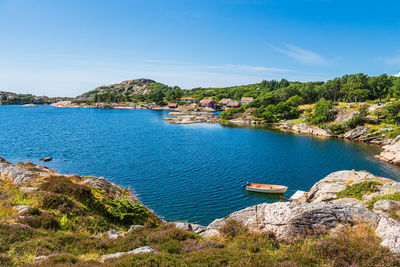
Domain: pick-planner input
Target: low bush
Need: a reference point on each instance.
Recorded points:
(31, 212)
(172, 246)
(230, 113)
(336, 129)
(359, 190)
(232, 229)
(44, 221)
(10, 234)
(322, 112)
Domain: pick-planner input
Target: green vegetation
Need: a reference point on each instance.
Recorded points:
(394, 213)
(322, 112)
(357, 119)
(69, 216)
(393, 111)
(7, 98)
(230, 113)
(236, 247)
(359, 190)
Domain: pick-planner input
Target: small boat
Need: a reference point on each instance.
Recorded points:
(266, 188)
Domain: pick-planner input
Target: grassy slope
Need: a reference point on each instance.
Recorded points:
(68, 215)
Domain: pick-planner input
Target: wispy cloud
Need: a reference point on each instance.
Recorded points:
(393, 61)
(78, 75)
(300, 54)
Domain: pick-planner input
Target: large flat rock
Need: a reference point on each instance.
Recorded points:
(290, 220)
(327, 188)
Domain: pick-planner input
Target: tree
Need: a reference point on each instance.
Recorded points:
(393, 111)
(269, 114)
(174, 94)
(308, 92)
(396, 88)
(380, 86)
(157, 95)
(331, 89)
(322, 111)
(355, 87)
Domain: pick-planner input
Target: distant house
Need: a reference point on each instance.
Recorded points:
(210, 103)
(225, 101)
(233, 105)
(187, 99)
(246, 100)
(172, 105)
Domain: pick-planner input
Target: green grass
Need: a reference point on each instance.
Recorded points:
(359, 190)
(392, 213)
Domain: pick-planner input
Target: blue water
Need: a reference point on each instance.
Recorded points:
(183, 172)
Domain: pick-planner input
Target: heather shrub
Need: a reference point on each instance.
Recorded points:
(232, 229)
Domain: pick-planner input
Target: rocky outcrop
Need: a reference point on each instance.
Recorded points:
(319, 211)
(356, 133)
(195, 228)
(30, 105)
(302, 128)
(389, 231)
(126, 88)
(291, 220)
(391, 152)
(386, 205)
(343, 115)
(188, 119)
(361, 133)
(327, 188)
(141, 250)
(20, 175)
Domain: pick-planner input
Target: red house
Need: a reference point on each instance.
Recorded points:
(210, 103)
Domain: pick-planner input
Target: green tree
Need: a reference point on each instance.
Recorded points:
(380, 86)
(322, 111)
(174, 94)
(157, 96)
(396, 88)
(393, 111)
(308, 92)
(355, 87)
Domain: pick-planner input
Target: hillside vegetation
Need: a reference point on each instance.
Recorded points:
(7, 98)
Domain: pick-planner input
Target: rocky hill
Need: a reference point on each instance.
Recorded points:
(125, 88)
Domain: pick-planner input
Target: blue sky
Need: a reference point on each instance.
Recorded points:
(67, 47)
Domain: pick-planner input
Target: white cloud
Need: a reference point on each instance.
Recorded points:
(396, 75)
(301, 54)
(77, 75)
(394, 60)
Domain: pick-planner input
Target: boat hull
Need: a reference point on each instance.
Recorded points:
(265, 190)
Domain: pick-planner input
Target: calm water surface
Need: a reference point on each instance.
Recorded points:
(183, 172)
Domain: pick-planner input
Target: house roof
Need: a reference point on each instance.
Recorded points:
(247, 99)
(172, 104)
(234, 104)
(224, 100)
(206, 101)
(186, 98)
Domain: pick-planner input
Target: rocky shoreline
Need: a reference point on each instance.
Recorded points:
(321, 211)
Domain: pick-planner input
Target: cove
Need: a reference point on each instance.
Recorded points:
(183, 172)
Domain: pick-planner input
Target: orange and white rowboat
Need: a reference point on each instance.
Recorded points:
(266, 188)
